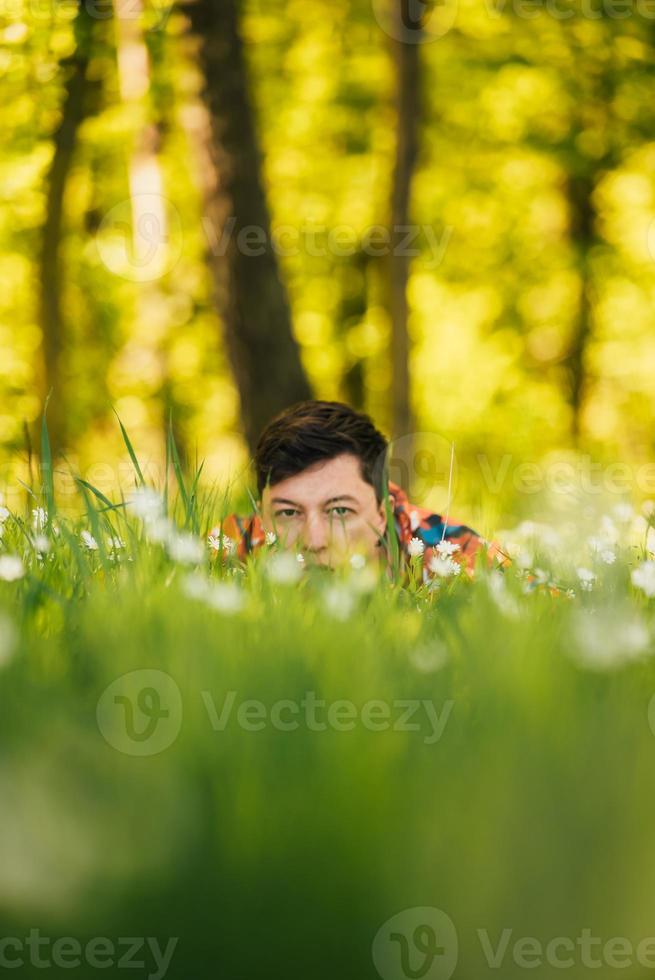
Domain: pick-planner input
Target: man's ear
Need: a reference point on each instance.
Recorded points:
(382, 511)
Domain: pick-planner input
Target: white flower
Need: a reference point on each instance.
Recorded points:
(4, 514)
(502, 597)
(587, 578)
(447, 548)
(271, 537)
(115, 544)
(216, 542)
(300, 558)
(41, 544)
(524, 559)
(185, 548)
(415, 548)
(444, 567)
(160, 530)
(339, 601)
(429, 657)
(551, 538)
(547, 535)
(226, 597)
(608, 528)
(195, 586)
(644, 577)
(648, 508)
(146, 504)
(364, 580)
(606, 639)
(8, 639)
(602, 545)
(11, 568)
(526, 529)
(39, 518)
(89, 541)
(623, 512)
(283, 568)
(639, 525)
(570, 593)
(650, 540)
(358, 562)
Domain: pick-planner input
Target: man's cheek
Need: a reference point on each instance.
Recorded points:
(348, 533)
(365, 530)
(354, 533)
(339, 540)
(287, 535)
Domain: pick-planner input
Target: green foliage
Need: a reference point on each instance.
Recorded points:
(534, 758)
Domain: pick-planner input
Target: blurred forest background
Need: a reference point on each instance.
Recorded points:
(194, 205)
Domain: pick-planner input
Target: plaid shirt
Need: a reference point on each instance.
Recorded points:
(441, 543)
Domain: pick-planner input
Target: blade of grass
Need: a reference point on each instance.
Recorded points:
(79, 584)
(23, 484)
(29, 450)
(130, 449)
(47, 476)
(194, 498)
(166, 474)
(177, 468)
(97, 493)
(96, 530)
(391, 537)
(253, 502)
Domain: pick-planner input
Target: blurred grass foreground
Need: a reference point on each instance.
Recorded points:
(441, 214)
(211, 770)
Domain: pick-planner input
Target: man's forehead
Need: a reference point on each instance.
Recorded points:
(329, 479)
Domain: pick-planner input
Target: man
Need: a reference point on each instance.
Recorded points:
(321, 477)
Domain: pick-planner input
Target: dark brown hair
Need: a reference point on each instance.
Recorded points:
(313, 431)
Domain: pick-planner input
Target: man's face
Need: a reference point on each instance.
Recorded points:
(327, 512)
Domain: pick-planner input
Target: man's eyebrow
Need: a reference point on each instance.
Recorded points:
(331, 500)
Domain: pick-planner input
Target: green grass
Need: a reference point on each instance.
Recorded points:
(521, 799)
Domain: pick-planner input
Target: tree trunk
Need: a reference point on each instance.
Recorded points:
(595, 96)
(406, 55)
(74, 111)
(250, 297)
(582, 225)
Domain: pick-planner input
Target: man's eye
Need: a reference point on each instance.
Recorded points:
(287, 512)
(341, 511)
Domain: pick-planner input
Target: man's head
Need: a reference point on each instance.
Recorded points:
(321, 476)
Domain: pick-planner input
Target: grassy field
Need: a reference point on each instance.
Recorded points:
(250, 772)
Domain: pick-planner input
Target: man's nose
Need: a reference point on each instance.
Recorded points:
(316, 532)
